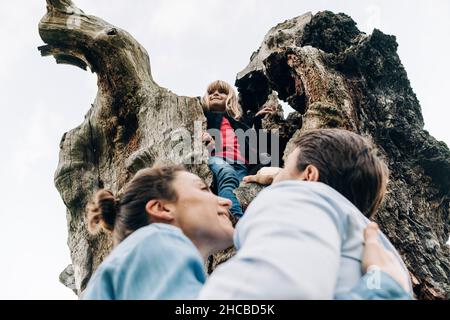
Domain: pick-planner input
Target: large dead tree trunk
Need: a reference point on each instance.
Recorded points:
(323, 66)
(132, 124)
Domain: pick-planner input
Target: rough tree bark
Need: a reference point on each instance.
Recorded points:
(332, 74)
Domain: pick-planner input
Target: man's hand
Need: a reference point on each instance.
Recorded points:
(264, 175)
(376, 255)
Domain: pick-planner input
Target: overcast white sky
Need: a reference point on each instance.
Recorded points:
(190, 43)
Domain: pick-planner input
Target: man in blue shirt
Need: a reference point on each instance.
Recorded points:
(299, 239)
(302, 237)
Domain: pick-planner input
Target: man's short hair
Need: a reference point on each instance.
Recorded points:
(347, 162)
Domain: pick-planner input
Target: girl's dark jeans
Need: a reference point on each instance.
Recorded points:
(228, 175)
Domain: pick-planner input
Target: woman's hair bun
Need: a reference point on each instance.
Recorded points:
(101, 212)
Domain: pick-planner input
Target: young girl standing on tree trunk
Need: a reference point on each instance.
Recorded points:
(232, 154)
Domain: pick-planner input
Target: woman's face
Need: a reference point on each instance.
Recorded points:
(203, 216)
(217, 99)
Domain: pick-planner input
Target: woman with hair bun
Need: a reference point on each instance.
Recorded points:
(164, 227)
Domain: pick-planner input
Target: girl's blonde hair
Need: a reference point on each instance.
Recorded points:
(232, 106)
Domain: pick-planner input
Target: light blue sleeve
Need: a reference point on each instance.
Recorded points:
(162, 266)
(100, 286)
(379, 286)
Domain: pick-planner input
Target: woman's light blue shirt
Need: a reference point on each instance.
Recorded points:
(155, 262)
